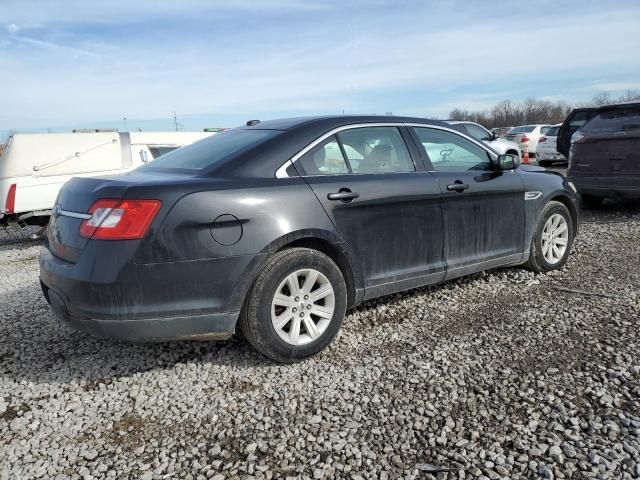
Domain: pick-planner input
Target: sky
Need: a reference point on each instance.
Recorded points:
(80, 64)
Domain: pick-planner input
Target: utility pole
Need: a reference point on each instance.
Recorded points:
(176, 125)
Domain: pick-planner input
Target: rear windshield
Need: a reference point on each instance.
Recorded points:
(619, 120)
(552, 132)
(525, 129)
(209, 151)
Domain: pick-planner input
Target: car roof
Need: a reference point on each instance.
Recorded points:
(632, 103)
(334, 121)
(294, 134)
(458, 122)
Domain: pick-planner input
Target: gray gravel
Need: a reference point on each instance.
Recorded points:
(502, 375)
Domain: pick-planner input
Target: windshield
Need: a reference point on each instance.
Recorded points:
(618, 120)
(209, 151)
(525, 129)
(552, 132)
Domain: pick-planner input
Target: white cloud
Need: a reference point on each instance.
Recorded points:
(13, 28)
(312, 66)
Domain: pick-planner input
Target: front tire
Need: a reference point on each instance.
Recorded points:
(544, 163)
(552, 239)
(296, 305)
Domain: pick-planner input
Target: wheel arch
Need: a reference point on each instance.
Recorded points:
(571, 206)
(335, 253)
(323, 241)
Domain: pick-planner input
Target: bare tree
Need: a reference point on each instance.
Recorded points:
(601, 98)
(630, 96)
(508, 114)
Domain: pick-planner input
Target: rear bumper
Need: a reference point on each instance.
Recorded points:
(550, 156)
(172, 301)
(218, 326)
(610, 187)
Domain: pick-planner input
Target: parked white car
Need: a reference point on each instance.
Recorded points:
(547, 149)
(34, 166)
(527, 136)
(478, 132)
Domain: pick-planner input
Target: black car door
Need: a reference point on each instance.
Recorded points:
(483, 208)
(574, 121)
(386, 209)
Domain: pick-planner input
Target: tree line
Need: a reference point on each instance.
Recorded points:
(532, 110)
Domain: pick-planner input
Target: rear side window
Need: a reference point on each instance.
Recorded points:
(525, 129)
(552, 132)
(477, 132)
(324, 159)
(210, 151)
(544, 130)
(376, 150)
(159, 151)
(618, 120)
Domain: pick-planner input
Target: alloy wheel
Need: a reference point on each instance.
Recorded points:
(555, 238)
(302, 307)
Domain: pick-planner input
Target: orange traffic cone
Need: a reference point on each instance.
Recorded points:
(525, 157)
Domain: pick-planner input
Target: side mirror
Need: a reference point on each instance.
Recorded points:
(494, 136)
(508, 162)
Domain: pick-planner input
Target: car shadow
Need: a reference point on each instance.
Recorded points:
(611, 210)
(36, 347)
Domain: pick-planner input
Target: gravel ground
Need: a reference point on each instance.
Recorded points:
(501, 375)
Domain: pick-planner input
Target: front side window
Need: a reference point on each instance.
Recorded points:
(450, 152)
(324, 159)
(376, 150)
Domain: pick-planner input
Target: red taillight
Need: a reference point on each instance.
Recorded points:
(10, 205)
(524, 139)
(119, 219)
(542, 139)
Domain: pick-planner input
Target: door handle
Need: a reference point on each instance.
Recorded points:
(343, 194)
(457, 186)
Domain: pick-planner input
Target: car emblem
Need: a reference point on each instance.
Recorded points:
(56, 210)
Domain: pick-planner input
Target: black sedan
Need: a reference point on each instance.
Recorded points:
(277, 228)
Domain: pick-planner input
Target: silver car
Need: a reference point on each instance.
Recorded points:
(478, 132)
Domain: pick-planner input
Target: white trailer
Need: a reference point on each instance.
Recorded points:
(34, 166)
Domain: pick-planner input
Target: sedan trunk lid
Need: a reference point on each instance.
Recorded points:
(79, 194)
(71, 208)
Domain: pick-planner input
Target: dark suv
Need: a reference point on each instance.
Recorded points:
(604, 152)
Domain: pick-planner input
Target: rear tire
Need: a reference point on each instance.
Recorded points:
(544, 163)
(592, 201)
(285, 319)
(552, 239)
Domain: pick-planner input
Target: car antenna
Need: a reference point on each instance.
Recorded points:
(251, 123)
